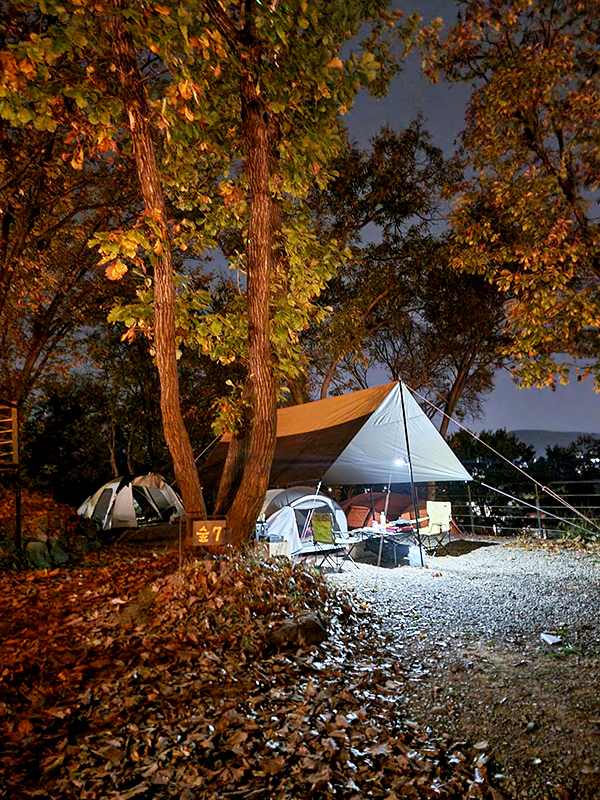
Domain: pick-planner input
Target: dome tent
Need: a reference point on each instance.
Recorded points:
(124, 503)
(303, 500)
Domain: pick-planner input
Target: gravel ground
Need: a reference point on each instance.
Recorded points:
(468, 632)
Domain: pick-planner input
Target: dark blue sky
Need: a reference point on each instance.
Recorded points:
(575, 407)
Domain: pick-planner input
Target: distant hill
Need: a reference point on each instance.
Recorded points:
(540, 440)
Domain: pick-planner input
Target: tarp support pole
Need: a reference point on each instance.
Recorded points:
(415, 497)
(372, 505)
(470, 508)
(311, 511)
(539, 516)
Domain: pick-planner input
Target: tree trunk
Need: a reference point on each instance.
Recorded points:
(237, 456)
(456, 391)
(138, 113)
(329, 377)
(261, 381)
(112, 447)
(299, 393)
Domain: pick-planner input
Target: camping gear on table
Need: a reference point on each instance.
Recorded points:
(363, 509)
(124, 503)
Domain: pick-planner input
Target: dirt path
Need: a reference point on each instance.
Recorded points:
(468, 631)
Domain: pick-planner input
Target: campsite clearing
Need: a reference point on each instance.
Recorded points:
(468, 633)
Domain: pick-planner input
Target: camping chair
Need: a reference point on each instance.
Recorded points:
(436, 536)
(327, 549)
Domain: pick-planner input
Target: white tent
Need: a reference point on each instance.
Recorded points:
(121, 503)
(303, 500)
(286, 512)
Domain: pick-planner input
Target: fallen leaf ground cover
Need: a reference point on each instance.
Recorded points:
(132, 676)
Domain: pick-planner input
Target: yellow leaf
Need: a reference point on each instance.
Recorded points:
(77, 160)
(27, 68)
(115, 270)
(336, 63)
(128, 336)
(185, 89)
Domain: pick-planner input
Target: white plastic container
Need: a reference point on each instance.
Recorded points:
(414, 556)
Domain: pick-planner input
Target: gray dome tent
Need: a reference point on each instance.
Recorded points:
(124, 503)
(303, 500)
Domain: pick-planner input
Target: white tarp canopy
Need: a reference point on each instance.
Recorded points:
(353, 439)
(123, 503)
(378, 453)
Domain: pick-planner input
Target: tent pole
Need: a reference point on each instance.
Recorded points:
(310, 512)
(470, 508)
(415, 498)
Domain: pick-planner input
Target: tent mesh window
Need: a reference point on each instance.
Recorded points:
(102, 506)
(144, 510)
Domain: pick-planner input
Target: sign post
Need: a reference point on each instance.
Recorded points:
(211, 535)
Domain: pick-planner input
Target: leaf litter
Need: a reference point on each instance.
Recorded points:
(133, 678)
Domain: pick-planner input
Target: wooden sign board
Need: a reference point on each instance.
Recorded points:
(9, 440)
(210, 532)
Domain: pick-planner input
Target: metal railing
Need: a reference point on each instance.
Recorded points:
(487, 514)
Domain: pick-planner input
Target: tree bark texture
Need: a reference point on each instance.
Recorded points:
(237, 455)
(261, 381)
(138, 113)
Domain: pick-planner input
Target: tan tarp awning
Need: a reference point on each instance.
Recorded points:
(352, 439)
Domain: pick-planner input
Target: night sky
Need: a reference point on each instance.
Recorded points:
(575, 407)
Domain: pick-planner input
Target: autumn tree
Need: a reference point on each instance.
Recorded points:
(526, 216)
(51, 284)
(450, 347)
(397, 304)
(248, 90)
(284, 130)
(76, 75)
(382, 204)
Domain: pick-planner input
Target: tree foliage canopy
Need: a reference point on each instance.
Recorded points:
(527, 213)
(396, 303)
